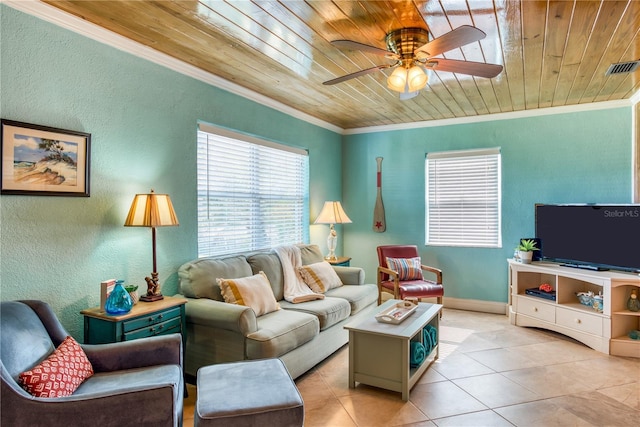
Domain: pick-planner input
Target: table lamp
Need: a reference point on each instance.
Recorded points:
(152, 210)
(332, 213)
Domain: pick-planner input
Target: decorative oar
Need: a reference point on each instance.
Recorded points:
(379, 223)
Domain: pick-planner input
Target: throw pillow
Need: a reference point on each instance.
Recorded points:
(320, 276)
(60, 374)
(407, 268)
(253, 291)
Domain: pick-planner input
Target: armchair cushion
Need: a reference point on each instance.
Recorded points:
(60, 374)
(407, 268)
(254, 291)
(415, 288)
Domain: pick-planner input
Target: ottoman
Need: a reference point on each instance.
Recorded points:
(247, 393)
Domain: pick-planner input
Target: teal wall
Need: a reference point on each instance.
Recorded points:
(565, 158)
(142, 118)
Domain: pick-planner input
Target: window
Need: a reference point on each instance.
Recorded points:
(252, 194)
(463, 206)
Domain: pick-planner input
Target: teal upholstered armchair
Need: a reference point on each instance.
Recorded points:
(136, 383)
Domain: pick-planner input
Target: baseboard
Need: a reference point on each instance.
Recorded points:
(476, 305)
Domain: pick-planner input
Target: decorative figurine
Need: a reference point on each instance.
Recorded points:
(633, 304)
(153, 289)
(598, 303)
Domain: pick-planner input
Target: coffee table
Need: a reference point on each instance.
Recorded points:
(379, 352)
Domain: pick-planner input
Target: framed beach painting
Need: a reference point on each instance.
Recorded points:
(44, 161)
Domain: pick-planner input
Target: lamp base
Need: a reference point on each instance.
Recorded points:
(151, 298)
(153, 289)
(332, 242)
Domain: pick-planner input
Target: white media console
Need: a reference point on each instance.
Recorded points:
(606, 332)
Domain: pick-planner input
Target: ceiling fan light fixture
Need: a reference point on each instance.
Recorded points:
(416, 78)
(398, 79)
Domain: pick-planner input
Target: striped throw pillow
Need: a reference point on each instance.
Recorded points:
(320, 277)
(407, 268)
(254, 291)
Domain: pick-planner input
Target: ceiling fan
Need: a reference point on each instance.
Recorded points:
(411, 51)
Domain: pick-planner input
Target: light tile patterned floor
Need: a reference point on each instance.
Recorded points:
(490, 373)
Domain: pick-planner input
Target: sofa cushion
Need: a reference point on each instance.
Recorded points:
(329, 311)
(320, 276)
(359, 296)
(253, 291)
(270, 264)
(310, 254)
(198, 278)
(280, 332)
(60, 374)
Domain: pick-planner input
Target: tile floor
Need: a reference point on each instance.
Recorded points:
(489, 373)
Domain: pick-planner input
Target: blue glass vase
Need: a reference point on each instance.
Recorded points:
(119, 301)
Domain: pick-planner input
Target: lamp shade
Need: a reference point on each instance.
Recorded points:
(398, 79)
(416, 78)
(332, 213)
(151, 210)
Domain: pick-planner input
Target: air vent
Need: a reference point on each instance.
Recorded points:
(623, 68)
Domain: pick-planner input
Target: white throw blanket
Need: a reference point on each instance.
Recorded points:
(295, 290)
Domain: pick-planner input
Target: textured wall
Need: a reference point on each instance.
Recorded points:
(566, 158)
(636, 194)
(143, 121)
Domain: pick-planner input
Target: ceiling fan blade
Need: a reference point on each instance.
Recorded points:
(357, 74)
(452, 40)
(479, 69)
(348, 44)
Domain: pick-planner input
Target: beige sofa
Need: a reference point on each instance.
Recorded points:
(301, 334)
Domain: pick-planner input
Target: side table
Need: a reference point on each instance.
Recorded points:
(342, 261)
(146, 319)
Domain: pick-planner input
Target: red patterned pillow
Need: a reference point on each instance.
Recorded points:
(60, 374)
(407, 268)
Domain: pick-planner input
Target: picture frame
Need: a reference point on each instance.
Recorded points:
(44, 161)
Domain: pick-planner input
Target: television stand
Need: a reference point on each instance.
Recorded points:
(584, 266)
(606, 331)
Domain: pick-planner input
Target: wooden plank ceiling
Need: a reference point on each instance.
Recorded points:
(555, 53)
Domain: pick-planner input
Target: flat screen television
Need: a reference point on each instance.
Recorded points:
(590, 236)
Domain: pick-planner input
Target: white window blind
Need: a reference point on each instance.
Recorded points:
(463, 200)
(252, 194)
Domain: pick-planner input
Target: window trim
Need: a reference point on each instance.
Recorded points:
(245, 137)
(258, 173)
(460, 154)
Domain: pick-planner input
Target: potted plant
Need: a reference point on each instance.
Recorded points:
(133, 293)
(525, 250)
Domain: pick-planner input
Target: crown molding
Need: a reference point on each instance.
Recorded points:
(494, 117)
(80, 26)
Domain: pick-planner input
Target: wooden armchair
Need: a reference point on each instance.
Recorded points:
(392, 281)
